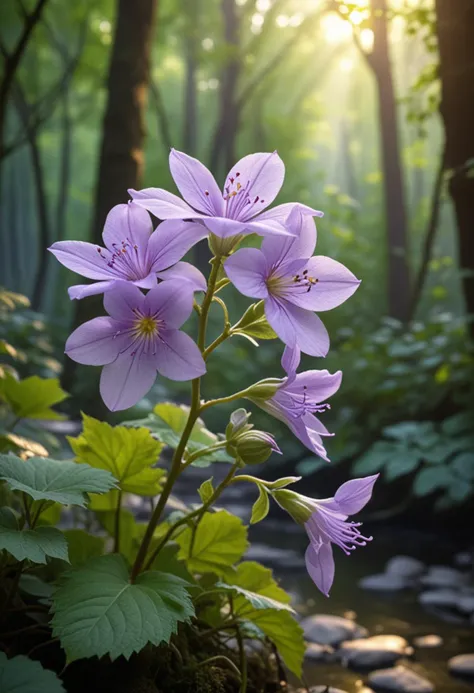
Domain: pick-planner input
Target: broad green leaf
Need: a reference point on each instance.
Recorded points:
(254, 323)
(375, 458)
(22, 675)
(404, 462)
(255, 589)
(129, 530)
(409, 431)
(206, 490)
(82, 546)
(457, 424)
(460, 490)
(261, 507)
(32, 584)
(98, 611)
(31, 544)
(127, 453)
(463, 465)
(431, 479)
(32, 398)
(62, 481)
(220, 541)
(285, 633)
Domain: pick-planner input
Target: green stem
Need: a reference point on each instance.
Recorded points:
(221, 658)
(118, 511)
(225, 400)
(205, 451)
(221, 338)
(26, 508)
(194, 411)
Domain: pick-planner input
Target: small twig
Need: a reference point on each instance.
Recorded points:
(225, 659)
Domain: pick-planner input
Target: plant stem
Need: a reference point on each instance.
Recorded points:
(221, 658)
(221, 338)
(205, 451)
(118, 511)
(225, 400)
(193, 415)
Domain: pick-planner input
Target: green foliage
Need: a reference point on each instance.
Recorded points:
(22, 675)
(82, 546)
(31, 544)
(206, 490)
(261, 506)
(254, 324)
(129, 454)
(33, 397)
(98, 611)
(54, 480)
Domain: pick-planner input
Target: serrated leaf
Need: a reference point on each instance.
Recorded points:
(32, 544)
(261, 507)
(403, 463)
(206, 490)
(32, 398)
(431, 479)
(62, 481)
(83, 546)
(285, 633)
(253, 323)
(220, 541)
(127, 453)
(22, 675)
(98, 611)
(255, 588)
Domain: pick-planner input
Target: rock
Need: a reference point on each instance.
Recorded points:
(428, 641)
(443, 598)
(399, 680)
(326, 629)
(323, 689)
(385, 582)
(318, 653)
(375, 652)
(465, 603)
(444, 576)
(463, 559)
(405, 566)
(462, 665)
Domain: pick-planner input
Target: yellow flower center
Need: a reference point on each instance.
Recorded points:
(146, 327)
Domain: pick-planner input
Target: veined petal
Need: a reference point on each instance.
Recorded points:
(320, 384)
(297, 327)
(171, 241)
(170, 302)
(282, 212)
(147, 282)
(334, 284)
(247, 270)
(163, 204)
(290, 361)
(85, 259)
(124, 382)
(79, 291)
(320, 566)
(178, 357)
(224, 228)
(280, 252)
(308, 436)
(352, 496)
(196, 184)
(184, 271)
(131, 225)
(122, 300)
(96, 342)
(261, 176)
(315, 427)
(268, 228)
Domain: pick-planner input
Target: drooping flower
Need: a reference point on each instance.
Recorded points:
(133, 253)
(326, 523)
(297, 398)
(251, 185)
(293, 284)
(139, 337)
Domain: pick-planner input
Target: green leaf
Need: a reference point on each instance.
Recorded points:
(261, 506)
(457, 424)
(32, 584)
(403, 463)
(286, 634)
(463, 465)
(127, 453)
(31, 544)
(283, 482)
(255, 589)
(431, 479)
(83, 546)
(32, 398)
(460, 490)
(62, 481)
(375, 458)
(206, 490)
(22, 675)
(98, 611)
(409, 431)
(253, 323)
(129, 529)
(220, 541)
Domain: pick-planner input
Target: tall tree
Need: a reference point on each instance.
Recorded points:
(456, 52)
(190, 128)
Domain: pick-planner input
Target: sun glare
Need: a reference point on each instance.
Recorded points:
(336, 30)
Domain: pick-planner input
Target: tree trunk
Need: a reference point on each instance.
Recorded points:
(121, 157)
(190, 131)
(456, 51)
(395, 212)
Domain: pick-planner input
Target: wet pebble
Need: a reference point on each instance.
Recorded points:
(386, 582)
(428, 641)
(319, 653)
(463, 559)
(465, 603)
(322, 689)
(405, 566)
(462, 665)
(444, 576)
(327, 629)
(375, 652)
(399, 679)
(446, 598)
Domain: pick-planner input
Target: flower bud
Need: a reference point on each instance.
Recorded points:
(254, 447)
(238, 423)
(264, 389)
(296, 505)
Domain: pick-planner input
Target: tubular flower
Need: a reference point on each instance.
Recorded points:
(293, 284)
(251, 185)
(133, 253)
(139, 337)
(298, 398)
(326, 523)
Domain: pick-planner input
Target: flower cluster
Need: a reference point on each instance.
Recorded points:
(141, 335)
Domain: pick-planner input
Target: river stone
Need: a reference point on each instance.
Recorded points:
(385, 582)
(322, 689)
(465, 603)
(462, 665)
(327, 629)
(444, 576)
(405, 566)
(463, 559)
(399, 680)
(318, 653)
(431, 640)
(443, 598)
(375, 652)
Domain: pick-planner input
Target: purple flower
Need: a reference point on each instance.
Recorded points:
(293, 284)
(326, 523)
(133, 253)
(139, 337)
(251, 185)
(298, 398)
